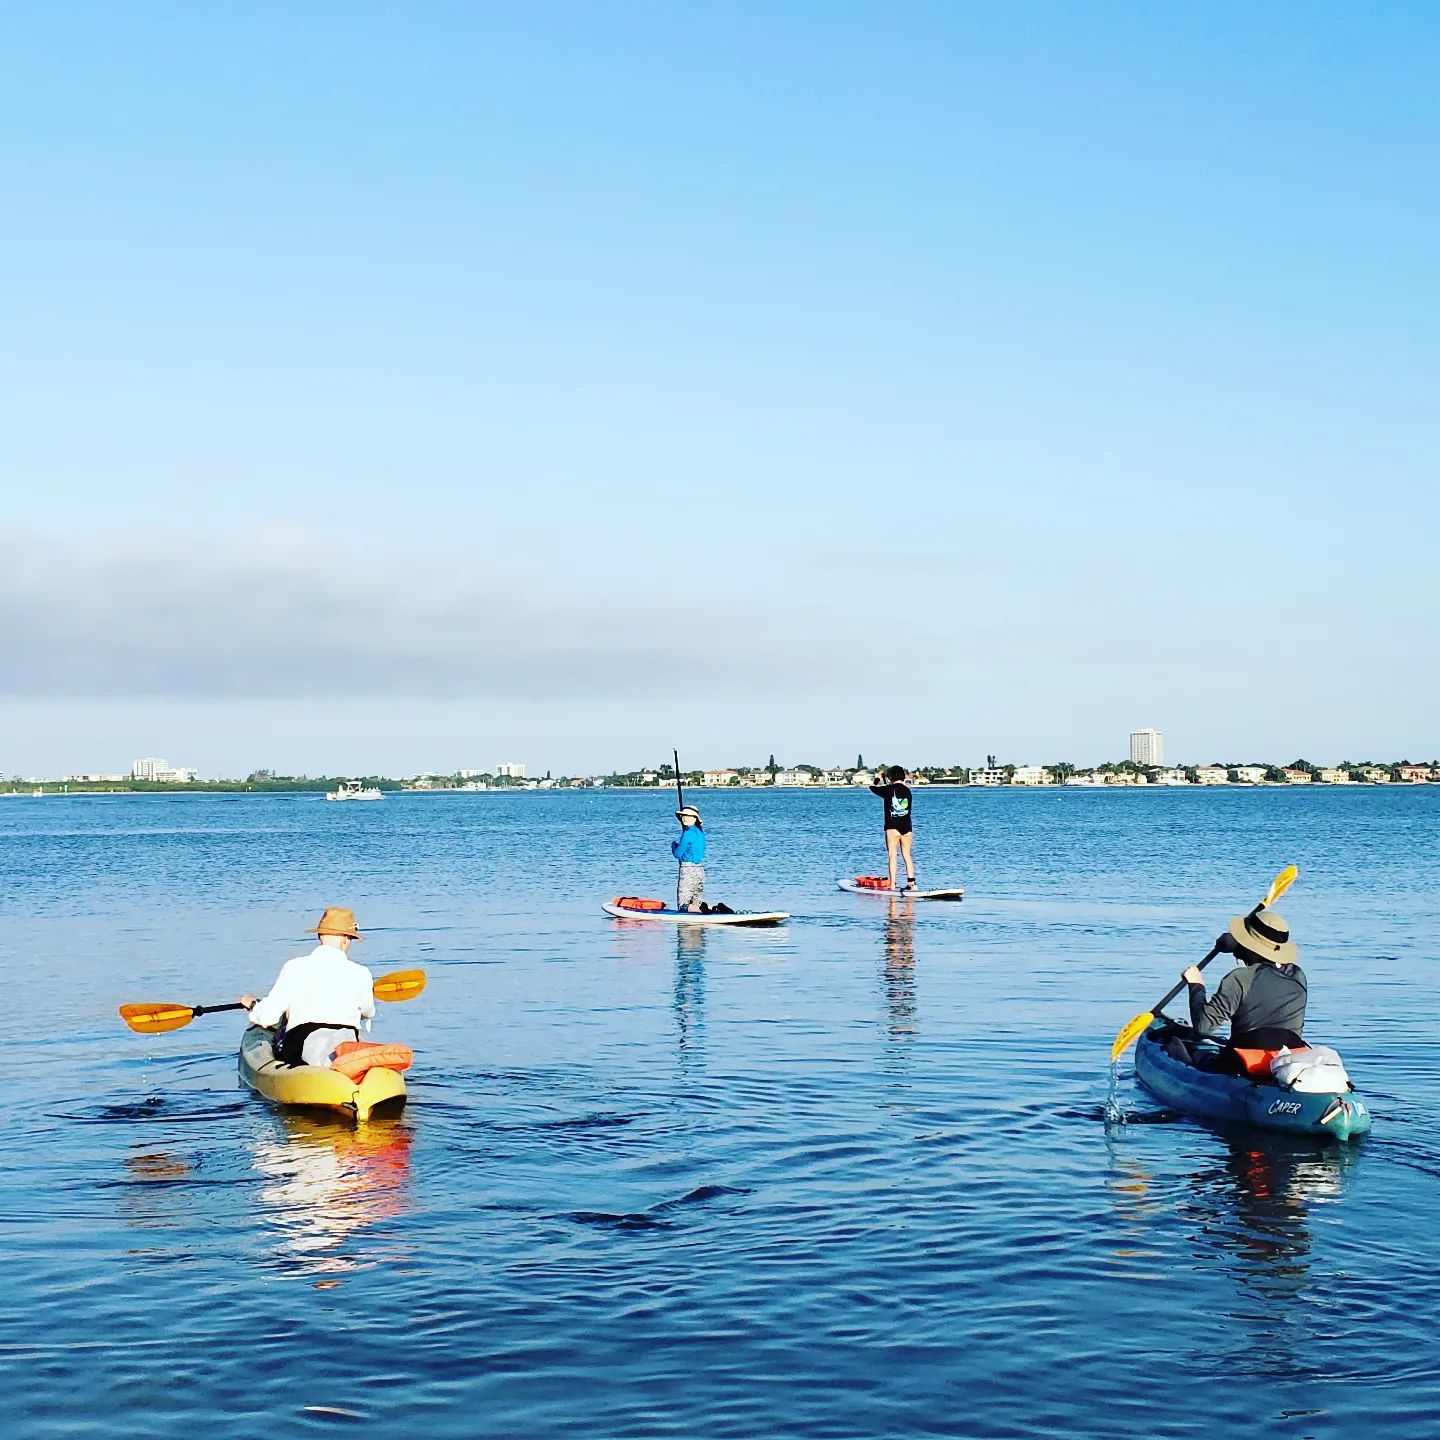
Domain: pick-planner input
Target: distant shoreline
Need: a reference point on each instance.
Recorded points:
(58, 790)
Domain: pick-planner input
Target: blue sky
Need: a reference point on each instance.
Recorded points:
(563, 382)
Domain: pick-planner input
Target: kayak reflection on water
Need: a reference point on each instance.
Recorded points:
(1251, 1205)
(325, 1182)
(1255, 1208)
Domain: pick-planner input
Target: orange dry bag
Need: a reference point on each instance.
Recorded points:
(354, 1057)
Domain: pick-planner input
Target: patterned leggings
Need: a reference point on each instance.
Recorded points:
(690, 890)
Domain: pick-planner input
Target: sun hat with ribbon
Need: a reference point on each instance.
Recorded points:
(688, 810)
(337, 920)
(1265, 935)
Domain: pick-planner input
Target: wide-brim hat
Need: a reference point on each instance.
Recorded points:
(337, 920)
(685, 810)
(1265, 935)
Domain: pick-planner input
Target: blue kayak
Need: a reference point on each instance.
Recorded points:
(1239, 1100)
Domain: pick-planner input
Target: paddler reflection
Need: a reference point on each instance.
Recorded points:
(325, 1182)
(688, 1002)
(898, 975)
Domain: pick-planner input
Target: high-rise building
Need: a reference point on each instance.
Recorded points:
(1147, 747)
(513, 771)
(149, 768)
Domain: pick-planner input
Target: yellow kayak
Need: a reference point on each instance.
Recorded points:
(315, 1086)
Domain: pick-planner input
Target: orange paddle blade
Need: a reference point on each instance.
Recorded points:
(156, 1019)
(400, 985)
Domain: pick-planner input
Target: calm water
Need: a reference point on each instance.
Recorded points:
(848, 1178)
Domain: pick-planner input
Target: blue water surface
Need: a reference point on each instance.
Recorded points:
(852, 1177)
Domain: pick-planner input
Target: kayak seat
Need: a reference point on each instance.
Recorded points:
(354, 1058)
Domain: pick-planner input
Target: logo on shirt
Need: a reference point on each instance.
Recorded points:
(899, 806)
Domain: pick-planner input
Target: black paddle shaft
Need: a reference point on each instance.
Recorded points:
(679, 793)
(1214, 951)
(213, 1009)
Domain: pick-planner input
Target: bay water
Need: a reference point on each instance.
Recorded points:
(850, 1177)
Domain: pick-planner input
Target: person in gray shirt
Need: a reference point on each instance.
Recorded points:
(1264, 997)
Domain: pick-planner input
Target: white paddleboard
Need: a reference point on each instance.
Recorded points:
(956, 892)
(696, 917)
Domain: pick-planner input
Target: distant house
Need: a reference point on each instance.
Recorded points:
(1375, 774)
(1333, 777)
(1250, 774)
(1415, 774)
(720, 777)
(794, 777)
(992, 776)
(1171, 777)
(1297, 777)
(1032, 775)
(1212, 775)
(863, 777)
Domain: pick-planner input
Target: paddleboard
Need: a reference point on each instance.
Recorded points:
(694, 917)
(956, 892)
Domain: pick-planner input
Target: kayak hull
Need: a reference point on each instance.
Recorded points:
(1238, 1100)
(693, 917)
(955, 892)
(315, 1087)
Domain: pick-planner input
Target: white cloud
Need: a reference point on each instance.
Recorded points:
(274, 614)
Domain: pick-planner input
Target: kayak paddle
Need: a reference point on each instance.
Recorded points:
(679, 793)
(157, 1019)
(1127, 1037)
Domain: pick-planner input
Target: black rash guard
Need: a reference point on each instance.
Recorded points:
(897, 805)
(1264, 1003)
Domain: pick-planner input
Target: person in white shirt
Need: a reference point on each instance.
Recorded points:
(322, 999)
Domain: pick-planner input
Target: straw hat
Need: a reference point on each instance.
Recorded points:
(337, 920)
(688, 810)
(1266, 936)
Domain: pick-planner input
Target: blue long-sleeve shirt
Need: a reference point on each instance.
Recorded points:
(689, 849)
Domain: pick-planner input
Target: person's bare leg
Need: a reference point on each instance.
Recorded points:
(892, 846)
(907, 849)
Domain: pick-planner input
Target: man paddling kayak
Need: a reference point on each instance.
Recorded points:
(1264, 997)
(898, 838)
(322, 998)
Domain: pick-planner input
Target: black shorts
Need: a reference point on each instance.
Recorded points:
(899, 826)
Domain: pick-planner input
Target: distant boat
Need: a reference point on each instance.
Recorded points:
(355, 790)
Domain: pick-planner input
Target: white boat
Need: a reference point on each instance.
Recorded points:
(355, 790)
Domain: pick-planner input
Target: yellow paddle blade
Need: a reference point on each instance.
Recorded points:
(1130, 1034)
(156, 1019)
(1280, 884)
(400, 985)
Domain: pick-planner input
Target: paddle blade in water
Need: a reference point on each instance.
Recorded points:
(1130, 1034)
(402, 985)
(1280, 884)
(156, 1019)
